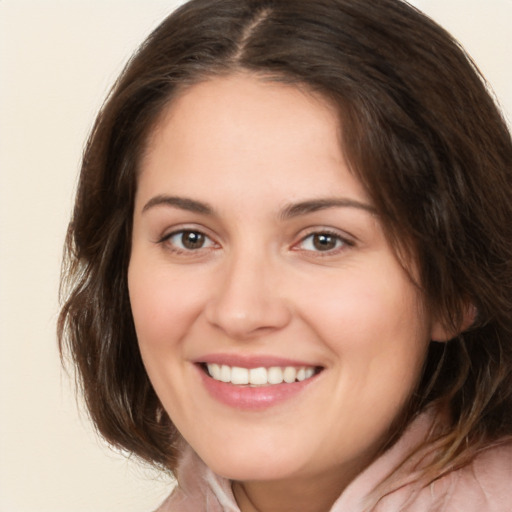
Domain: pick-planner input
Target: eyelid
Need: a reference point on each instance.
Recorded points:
(346, 239)
(171, 230)
(177, 230)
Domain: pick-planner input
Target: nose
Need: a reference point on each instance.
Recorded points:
(248, 301)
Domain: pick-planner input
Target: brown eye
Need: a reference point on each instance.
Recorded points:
(192, 239)
(322, 242)
(188, 240)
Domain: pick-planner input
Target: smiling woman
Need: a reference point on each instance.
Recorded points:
(307, 294)
(290, 262)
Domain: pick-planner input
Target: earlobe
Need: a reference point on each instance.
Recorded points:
(440, 333)
(443, 333)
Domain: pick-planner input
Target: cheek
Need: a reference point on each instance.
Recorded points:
(163, 307)
(358, 304)
(374, 324)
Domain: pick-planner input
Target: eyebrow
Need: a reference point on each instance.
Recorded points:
(289, 211)
(183, 203)
(315, 205)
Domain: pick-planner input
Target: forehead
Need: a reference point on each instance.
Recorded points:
(223, 127)
(242, 97)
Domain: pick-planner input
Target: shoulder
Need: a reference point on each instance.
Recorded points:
(489, 478)
(178, 501)
(484, 485)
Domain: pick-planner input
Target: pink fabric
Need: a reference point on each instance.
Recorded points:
(485, 485)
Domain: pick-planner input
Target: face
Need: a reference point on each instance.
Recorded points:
(279, 330)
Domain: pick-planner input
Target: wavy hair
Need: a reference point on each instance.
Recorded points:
(421, 132)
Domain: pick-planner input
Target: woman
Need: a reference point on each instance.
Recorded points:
(289, 266)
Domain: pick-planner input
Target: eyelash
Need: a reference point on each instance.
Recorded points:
(167, 239)
(341, 243)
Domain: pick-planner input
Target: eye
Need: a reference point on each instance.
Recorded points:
(189, 240)
(322, 242)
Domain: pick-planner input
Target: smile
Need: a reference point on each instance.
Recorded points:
(259, 376)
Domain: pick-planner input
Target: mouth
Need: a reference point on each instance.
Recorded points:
(261, 376)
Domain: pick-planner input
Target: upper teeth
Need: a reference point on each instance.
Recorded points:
(259, 376)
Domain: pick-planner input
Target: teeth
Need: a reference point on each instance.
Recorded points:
(215, 371)
(225, 373)
(289, 374)
(239, 375)
(259, 376)
(275, 375)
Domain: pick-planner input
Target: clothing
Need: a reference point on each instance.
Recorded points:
(484, 485)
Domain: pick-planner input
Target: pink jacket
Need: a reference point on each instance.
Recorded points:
(485, 485)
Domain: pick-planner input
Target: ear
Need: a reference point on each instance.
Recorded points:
(442, 333)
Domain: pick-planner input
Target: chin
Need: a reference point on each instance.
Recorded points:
(253, 468)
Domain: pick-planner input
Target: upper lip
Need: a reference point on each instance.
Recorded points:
(253, 361)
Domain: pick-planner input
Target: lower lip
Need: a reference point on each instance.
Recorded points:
(252, 398)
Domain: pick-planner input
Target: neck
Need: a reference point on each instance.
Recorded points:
(306, 495)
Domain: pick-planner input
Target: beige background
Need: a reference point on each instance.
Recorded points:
(57, 60)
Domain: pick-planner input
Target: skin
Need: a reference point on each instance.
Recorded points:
(259, 285)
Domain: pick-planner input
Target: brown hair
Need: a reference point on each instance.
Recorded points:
(421, 132)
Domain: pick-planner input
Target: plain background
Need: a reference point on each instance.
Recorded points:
(57, 61)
